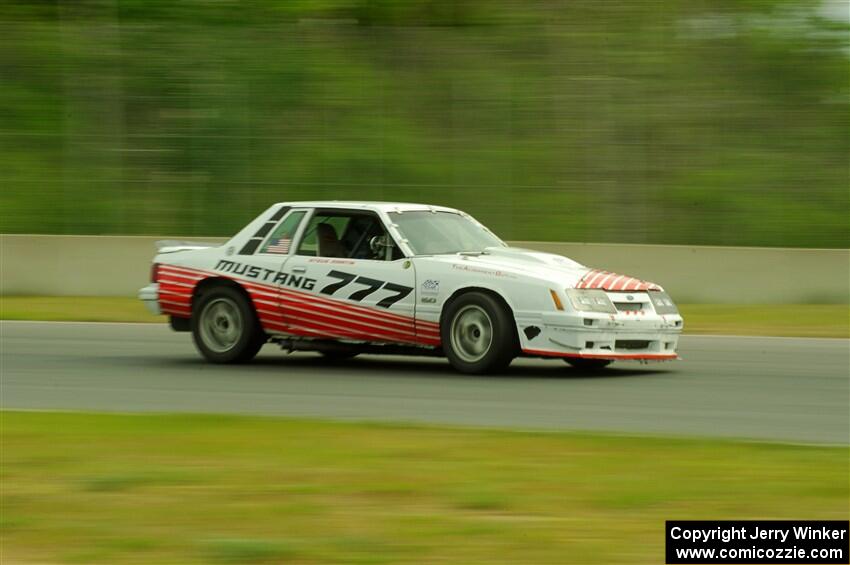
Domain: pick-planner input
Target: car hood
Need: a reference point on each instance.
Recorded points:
(514, 262)
(557, 269)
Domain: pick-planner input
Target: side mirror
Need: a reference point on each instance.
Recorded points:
(378, 243)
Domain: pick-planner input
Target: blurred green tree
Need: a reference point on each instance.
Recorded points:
(691, 122)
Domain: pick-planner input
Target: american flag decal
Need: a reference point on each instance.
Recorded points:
(279, 245)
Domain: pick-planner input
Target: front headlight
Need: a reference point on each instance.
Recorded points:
(590, 301)
(662, 303)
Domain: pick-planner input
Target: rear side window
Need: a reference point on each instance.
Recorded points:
(281, 238)
(252, 244)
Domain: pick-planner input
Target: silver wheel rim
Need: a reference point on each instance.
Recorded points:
(221, 324)
(472, 333)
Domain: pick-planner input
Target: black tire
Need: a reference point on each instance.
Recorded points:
(225, 327)
(588, 365)
(464, 332)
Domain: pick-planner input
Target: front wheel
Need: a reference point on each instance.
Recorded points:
(478, 334)
(588, 364)
(225, 328)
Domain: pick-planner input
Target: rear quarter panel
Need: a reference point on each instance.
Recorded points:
(178, 275)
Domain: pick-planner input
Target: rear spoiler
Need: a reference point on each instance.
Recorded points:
(172, 245)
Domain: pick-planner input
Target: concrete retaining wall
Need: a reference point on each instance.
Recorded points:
(736, 275)
(51, 265)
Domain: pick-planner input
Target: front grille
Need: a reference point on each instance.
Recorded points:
(631, 344)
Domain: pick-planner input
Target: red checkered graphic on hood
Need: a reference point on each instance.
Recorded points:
(606, 280)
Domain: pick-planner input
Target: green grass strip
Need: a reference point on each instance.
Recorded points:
(793, 320)
(86, 488)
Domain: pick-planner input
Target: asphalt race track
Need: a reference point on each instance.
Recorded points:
(782, 389)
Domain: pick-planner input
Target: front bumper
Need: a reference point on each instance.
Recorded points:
(150, 296)
(591, 335)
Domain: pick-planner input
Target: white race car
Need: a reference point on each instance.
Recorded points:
(343, 278)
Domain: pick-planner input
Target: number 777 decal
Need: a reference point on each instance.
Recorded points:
(371, 286)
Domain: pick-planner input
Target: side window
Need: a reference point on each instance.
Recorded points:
(347, 234)
(321, 238)
(368, 239)
(281, 238)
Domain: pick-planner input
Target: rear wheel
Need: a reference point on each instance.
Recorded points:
(478, 334)
(225, 328)
(588, 364)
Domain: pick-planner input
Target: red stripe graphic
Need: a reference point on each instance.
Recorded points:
(615, 283)
(384, 317)
(175, 296)
(299, 299)
(308, 323)
(389, 316)
(597, 277)
(291, 311)
(174, 274)
(644, 356)
(605, 280)
(293, 300)
(297, 310)
(288, 303)
(331, 326)
(176, 283)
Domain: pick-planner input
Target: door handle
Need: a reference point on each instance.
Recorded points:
(299, 269)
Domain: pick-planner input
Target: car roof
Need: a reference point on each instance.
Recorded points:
(368, 205)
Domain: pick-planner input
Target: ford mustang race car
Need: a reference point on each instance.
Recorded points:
(343, 278)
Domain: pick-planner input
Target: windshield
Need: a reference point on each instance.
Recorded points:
(434, 233)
